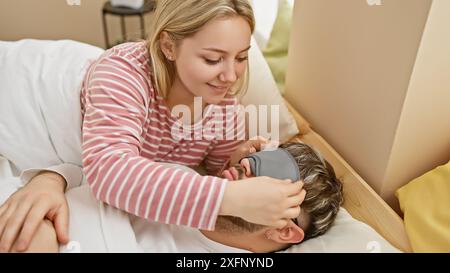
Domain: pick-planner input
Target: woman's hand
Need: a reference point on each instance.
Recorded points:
(246, 149)
(20, 216)
(263, 200)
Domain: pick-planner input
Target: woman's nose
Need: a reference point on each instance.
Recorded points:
(229, 74)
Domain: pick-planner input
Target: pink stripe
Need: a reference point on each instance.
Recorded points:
(119, 179)
(176, 208)
(196, 220)
(170, 194)
(141, 184)
(128, 183)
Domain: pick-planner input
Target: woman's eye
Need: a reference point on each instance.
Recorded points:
(212, 62)
(243, 59)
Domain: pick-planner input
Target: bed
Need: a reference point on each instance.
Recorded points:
(360, 200)
(40, 61)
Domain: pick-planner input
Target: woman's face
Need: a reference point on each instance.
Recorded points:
(211, 61)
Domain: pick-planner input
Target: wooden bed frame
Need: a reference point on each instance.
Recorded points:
(360, 200)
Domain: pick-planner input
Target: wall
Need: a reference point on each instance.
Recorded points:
(363, 75)
(422, 141)
(55, 19)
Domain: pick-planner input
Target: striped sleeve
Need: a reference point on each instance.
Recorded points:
(218, 158)
(115, 103)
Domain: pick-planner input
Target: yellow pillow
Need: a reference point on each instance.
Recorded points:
(276, 51)
(425, 202)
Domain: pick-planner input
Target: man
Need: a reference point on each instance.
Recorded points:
(120, 232)
(294, 161)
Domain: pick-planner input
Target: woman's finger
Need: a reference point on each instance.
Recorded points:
(4, 218)
(256, 144)
(234, 173)
(34, 218)
(292, 213)
(295, 188)
(296, 200)
(61, 223)
(13, 226)
(246, 164)
(3, 208)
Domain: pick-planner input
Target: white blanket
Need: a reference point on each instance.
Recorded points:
(40, 117)
(112, 230)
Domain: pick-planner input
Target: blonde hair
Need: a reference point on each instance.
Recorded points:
(182, 19)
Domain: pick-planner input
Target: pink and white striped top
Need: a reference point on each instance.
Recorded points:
(127, 134)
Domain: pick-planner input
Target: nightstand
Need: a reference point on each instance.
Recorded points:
(149, 6)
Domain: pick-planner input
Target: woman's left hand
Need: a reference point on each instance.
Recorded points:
(246, 149)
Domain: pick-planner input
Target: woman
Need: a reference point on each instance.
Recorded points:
(198, 49)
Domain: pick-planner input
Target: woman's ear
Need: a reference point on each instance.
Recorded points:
(167, 45)
(290, 234)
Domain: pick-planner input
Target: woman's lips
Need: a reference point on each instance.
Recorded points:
(219, 89)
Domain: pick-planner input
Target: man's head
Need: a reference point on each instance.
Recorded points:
(319, 209)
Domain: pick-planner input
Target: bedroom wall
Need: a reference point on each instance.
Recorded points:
(370, 79)
(55, 19)
(422, 141)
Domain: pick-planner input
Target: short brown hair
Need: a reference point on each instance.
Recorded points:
(324, 192)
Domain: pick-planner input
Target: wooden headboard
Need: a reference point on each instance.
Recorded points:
(360, 200)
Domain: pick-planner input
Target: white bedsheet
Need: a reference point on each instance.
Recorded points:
(8, 183)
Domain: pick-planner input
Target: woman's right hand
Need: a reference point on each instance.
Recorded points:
(263, 200)
(21, 215)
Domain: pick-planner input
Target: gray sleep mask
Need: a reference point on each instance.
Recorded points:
(278, 164)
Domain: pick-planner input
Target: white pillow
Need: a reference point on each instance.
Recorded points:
(263, 91)
(346, 235)
(265, 15)
(40, 117)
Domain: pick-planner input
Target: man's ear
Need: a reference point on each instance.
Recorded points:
(291, 234)
(167, 45)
